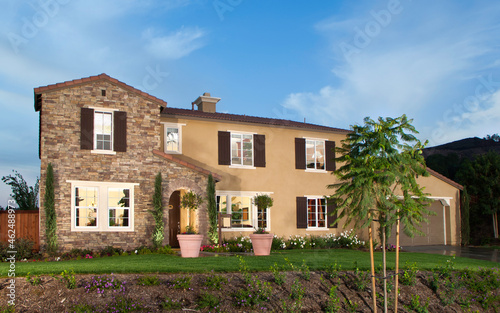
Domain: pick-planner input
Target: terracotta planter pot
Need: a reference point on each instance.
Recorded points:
(190, 245)
(262, 243)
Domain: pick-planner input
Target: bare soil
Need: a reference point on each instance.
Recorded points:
(53, 295)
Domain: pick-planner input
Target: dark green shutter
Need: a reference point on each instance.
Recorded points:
(87, 129)
(330, 155)
(224, 148)
(301, 212)
(120, 131)
(259, 150)
(300, 153)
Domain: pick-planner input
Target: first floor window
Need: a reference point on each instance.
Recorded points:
(118, 207)
(86, 205)
(102, 206)
(316, 212)
(244, 214)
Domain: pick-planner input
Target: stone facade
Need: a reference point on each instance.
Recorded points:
(60, 145)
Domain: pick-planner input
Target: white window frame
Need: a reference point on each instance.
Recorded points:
(241, 133)
(324, 154)
(250, 194)
(326, 213)
(179, 132)
(102, 206)
(94, 140)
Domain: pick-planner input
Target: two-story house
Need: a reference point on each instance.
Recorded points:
(107, 141)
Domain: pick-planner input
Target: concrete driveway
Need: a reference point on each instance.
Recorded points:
(465, 252)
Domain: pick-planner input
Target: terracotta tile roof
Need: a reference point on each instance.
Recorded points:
(445, 179)
(85, 80)
(172, 158)
(247, 119)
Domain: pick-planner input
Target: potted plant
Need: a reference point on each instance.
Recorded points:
(261, 240)
(190, 241)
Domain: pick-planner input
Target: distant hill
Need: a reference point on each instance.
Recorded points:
(464, 148)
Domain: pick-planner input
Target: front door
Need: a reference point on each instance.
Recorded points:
(174, 217)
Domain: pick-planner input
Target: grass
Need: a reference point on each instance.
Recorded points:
(157, 263)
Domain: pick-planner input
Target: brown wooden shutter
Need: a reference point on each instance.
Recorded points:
(301, 212)
(87, 129)
(224, 148)
(330, 209)
(120, 131)
(330, 155)
(300, 153)
(259, 150)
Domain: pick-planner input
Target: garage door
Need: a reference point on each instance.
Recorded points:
(433, 230)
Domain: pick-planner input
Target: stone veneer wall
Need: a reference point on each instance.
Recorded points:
(60, 145)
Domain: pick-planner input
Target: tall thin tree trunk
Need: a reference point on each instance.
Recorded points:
(396, 277)
(372, 261)
(384, 265)
(495, 225)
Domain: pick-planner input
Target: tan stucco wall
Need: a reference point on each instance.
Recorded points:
(200, 146)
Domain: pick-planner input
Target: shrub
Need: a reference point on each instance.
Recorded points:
(170, 304)
(148, 280)
(103, 283)
(68, 278)
(207, 300)
(23, 247)
(409, 277)
(214, 281)
(33, 280)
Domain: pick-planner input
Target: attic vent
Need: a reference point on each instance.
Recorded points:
(103, 93)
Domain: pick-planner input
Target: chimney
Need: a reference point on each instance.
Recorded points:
(206, 103)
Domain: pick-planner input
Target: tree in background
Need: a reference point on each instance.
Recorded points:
(493, 137)
(50, 212)
(158, 232)
(465, 217)
(377, 159)
(213, 234)
(482, 179)
(25, 196)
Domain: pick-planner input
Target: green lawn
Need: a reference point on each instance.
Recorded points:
(315, 259)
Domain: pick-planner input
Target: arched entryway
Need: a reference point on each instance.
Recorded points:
(174, 217)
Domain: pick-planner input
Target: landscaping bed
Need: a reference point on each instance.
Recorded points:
(285, 288)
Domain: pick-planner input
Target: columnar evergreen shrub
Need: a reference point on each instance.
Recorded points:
(50, 211)
(157, 212)
(213, 234)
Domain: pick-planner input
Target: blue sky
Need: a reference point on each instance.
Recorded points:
(330, 62)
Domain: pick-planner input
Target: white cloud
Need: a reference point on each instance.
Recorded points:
(419, 64)
(175, 45)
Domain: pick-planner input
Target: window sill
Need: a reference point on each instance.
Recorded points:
(318, 229)
(246, 167)
(316, 171)
(107, 230)
(172, 152)
(246, 230)
(103, 152)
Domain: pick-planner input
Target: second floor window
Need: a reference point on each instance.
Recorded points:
(315, 154)
(241, 149)
(172, 139)
(103, 129)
